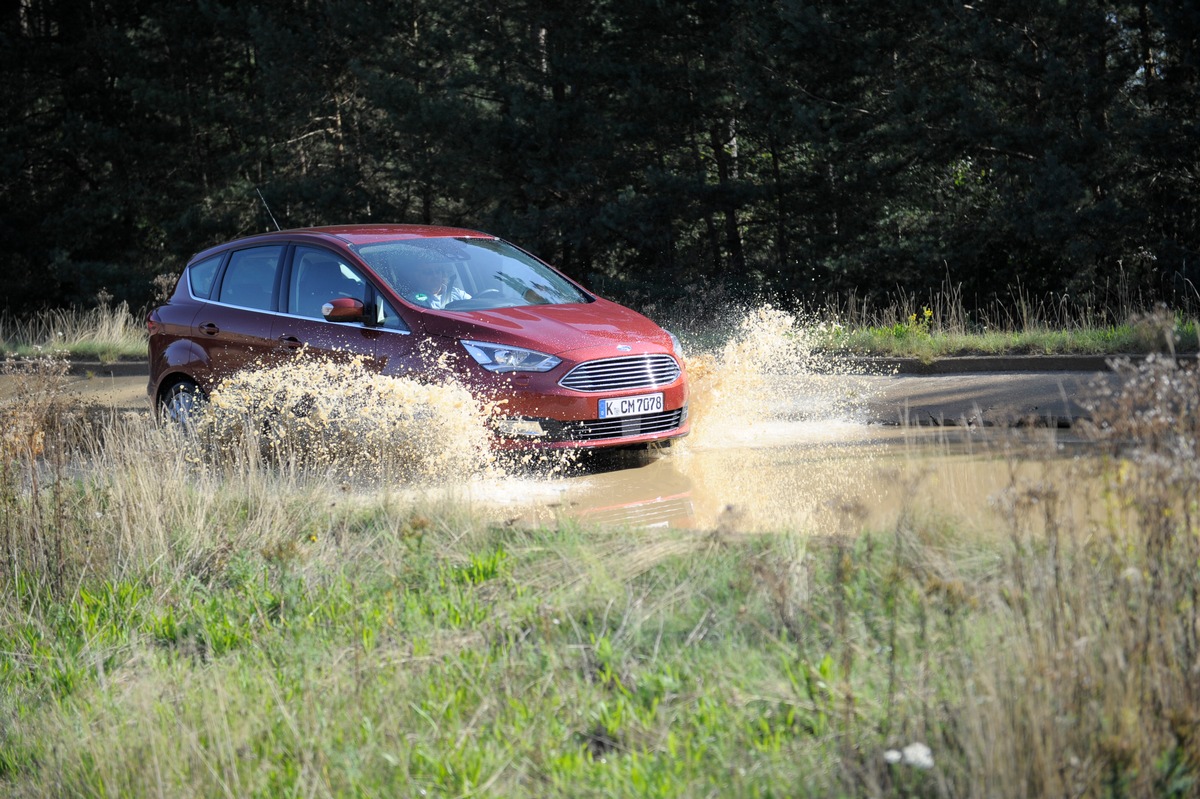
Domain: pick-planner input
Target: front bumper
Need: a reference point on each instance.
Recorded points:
(542, 410)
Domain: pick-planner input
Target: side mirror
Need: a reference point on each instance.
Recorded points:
(343, 309)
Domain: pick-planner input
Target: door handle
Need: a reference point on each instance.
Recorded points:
(290, 342)
(209, 329)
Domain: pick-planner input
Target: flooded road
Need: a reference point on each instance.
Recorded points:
(825, 478)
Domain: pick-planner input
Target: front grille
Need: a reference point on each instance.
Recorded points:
(616, 374)
(599, 429)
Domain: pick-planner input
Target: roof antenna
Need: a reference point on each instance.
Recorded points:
(264, 202)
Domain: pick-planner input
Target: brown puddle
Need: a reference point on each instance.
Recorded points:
(825, 478)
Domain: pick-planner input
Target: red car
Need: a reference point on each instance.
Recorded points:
(575, 370)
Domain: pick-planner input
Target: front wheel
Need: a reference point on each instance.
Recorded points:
(181, 404)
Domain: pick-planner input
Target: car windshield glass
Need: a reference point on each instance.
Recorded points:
(467, 274)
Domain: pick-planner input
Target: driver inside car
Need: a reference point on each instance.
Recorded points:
(429, 285)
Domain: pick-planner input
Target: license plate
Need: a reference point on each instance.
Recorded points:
(631, 406)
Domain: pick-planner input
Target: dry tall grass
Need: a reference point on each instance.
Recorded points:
(1016, 310)
(106, 332)
(1066, 663)
(86, 493)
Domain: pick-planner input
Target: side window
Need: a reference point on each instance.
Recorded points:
(202, 275)
(250, 278)
(319, 276)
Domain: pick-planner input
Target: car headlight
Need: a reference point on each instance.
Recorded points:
(675, 345)
(499, 358)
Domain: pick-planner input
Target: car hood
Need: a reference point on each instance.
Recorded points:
(553, 329)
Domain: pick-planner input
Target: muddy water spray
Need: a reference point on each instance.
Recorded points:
(340, 418)
(768, 376)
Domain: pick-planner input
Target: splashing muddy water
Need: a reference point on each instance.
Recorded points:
(772, 416)
(777, 443)
(767, 377)
(781, 441)
(337, 417)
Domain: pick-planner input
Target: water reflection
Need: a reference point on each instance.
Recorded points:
(824, 479)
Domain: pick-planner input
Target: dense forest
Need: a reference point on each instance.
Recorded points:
(646, 147)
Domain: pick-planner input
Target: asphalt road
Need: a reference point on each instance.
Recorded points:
(1056, 399)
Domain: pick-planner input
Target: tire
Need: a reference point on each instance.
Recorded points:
(180, 404)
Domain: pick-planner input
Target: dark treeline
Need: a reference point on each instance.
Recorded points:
(647, 148)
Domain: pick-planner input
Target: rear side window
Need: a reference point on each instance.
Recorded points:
(250, 277)
(202, 275)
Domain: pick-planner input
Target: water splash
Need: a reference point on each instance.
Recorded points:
(770, 381)
(337, 417)
(767, 385)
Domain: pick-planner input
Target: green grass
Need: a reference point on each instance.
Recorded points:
(926, 345)
(393, 671)
(923, 338)
(173, 630)
(407, 668)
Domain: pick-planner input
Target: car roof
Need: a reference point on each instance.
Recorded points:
(350, 234)
(366, 234)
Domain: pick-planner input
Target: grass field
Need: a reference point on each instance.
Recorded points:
(178, 619)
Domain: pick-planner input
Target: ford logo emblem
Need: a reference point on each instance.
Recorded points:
(623, 348)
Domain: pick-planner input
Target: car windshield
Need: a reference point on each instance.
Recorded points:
(467, 274)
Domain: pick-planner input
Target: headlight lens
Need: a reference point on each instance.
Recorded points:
(498, 358)
(675, 345)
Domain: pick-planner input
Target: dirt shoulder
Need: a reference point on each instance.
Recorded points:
(119, 392)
